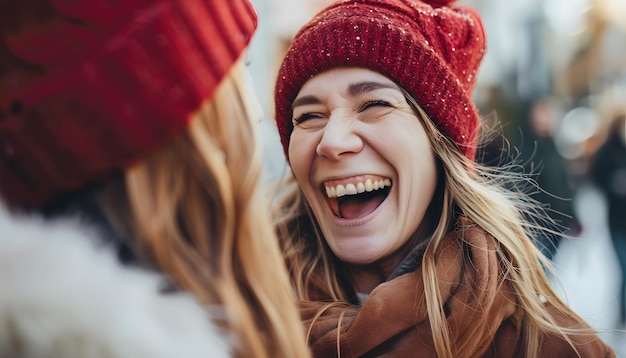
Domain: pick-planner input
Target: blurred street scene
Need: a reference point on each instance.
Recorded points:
(553, 88)
(589, 272)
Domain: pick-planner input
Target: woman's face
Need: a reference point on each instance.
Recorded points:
(364, 163)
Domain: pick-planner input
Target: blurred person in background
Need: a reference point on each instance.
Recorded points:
(399, 244)
(552, 173)
(608, 172)
(129, 127)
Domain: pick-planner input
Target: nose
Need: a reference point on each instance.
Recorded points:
(339, 138)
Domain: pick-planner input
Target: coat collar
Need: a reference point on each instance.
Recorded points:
(394, 316)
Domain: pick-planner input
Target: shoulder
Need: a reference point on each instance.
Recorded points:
(586, 342)
(64, 294)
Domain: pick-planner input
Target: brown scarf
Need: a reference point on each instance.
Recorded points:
(480, 310)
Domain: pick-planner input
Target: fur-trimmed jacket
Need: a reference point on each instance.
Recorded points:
(63, 293)
(481, 312)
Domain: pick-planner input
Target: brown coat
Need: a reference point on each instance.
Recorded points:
(482, 314)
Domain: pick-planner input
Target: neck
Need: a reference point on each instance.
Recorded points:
(408, 258)
(365, 278)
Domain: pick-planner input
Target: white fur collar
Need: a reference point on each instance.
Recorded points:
(61, 295)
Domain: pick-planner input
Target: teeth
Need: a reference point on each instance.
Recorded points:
(358, 188)
(341, 190)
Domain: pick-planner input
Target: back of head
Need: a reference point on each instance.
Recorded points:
(144, 100)
(88, 89)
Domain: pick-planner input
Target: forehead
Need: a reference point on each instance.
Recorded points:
(348, 80)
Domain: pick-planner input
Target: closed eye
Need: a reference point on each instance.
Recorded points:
(376, 103)
(304, 117)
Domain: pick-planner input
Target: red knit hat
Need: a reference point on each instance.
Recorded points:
(91, 87)
(432, 49)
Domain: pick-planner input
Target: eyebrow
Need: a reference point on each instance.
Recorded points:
(354, 89)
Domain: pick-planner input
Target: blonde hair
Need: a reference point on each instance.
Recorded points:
(487, 196)
(197, 212)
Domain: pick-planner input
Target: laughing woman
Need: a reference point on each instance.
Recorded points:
(398, 243)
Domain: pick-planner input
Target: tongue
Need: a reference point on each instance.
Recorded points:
(356, 206)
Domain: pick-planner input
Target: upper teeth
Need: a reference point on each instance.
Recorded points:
(358, 188)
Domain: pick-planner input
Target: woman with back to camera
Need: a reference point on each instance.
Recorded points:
(398, 243)
(134, 122)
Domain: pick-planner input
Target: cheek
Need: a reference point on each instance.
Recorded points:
(426, 172)
(416, 166)
(301, 152)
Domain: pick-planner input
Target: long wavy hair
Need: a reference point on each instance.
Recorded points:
(493, 198)
(196, 211)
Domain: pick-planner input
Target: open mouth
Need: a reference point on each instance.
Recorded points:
(356, 197)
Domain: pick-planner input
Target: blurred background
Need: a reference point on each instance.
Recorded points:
(553, 85)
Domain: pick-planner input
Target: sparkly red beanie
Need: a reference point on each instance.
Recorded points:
(432, 49)
(92, 87)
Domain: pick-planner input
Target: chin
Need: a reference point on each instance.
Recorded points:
(358, 256)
